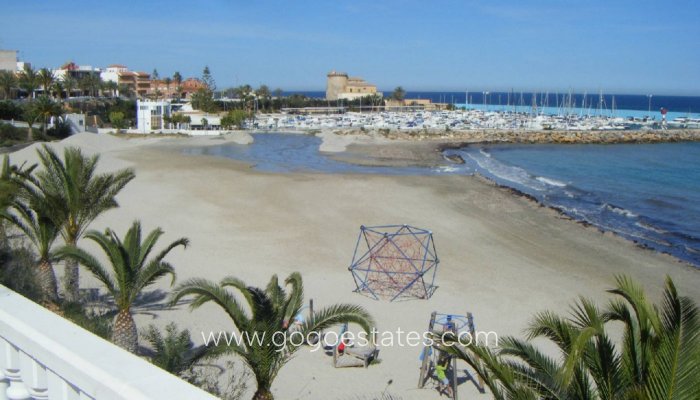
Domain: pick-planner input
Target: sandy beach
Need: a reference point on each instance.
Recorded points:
(503, 257)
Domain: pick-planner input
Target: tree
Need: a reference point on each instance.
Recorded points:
(177, 78)
(30, 116)
(245, 93)
(45, 77)
(112, 87)
(277, 93)
(174, 351)
(31, 213)
(28, 80)
(125, 90)
(266, 316)
(57, 88)
(234, 118)
(131, 272)
(70, 84)
(398, 94)
(208, 79)
(46, 108)
(659, 357)
(79, 195)
(90, 83)
(263, 93)
(203, 100)
(8, 83)
(168, 81)
(116, 118)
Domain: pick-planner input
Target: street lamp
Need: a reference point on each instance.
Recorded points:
(649, 96)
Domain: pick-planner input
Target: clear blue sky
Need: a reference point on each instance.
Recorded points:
(617, 46)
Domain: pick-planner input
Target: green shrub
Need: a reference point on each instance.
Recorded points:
(17, 271)
(9, 110)
(98, 323)
(10, 135)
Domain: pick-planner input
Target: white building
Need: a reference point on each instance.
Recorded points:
(21, 65)
(150, 113)
(8, 60)
(112, 72)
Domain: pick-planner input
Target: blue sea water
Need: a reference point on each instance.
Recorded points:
(649, 193)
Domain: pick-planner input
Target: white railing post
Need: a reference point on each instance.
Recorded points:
(34, 376)
(16, 390)
(4, 384)
(60, 389)
(45, 357)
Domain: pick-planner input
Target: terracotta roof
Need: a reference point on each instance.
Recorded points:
(117, 66)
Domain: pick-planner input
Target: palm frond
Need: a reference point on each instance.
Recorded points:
(338, 314)
(205, 291)
(91, 263)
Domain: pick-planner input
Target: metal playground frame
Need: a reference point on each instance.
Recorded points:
(394, 261)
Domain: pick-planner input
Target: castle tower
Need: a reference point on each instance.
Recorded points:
(336, 84)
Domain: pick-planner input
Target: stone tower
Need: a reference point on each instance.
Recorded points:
(337, 81)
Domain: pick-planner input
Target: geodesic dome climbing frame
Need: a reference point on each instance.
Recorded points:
(394, 261)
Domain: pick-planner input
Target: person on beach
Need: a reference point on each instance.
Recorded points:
(441, 375)
(344, 342)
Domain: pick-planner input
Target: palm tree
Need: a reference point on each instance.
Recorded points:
(174, 351)
(177, 79)
(46, 79)
(263, 93)
(57, 88)
(30, 116)
(79, 195)
(31, 213)
(111, 86)
(168, 81)
(265, 319)
(70, 84)
(398, 94)
(29, 80)
(125, 90)
(132, 272)
(659, 357)
(11, 178)
(46, 108)
(8, 83)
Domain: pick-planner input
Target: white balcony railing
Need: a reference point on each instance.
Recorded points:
(43, 356)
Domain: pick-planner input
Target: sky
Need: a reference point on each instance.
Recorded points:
(617, 46)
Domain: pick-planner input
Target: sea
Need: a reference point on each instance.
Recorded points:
(647, 193)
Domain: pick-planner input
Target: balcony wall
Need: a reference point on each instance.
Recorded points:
(43, 356)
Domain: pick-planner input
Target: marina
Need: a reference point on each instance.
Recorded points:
(475, 119)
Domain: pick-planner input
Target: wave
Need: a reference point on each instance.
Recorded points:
(650, 228)
(550, 181)
(505, 172)
(619, 210)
